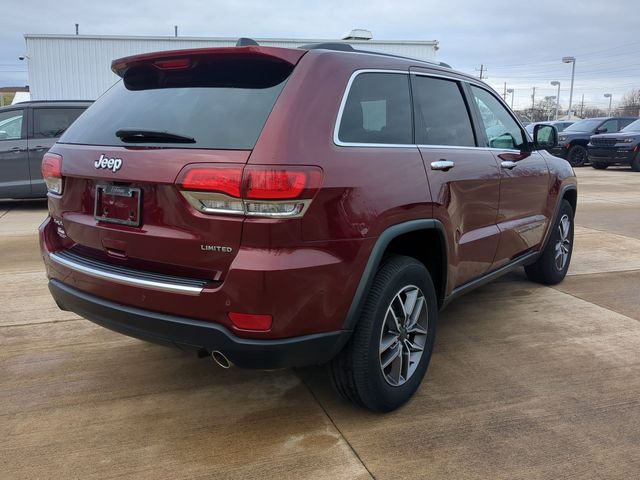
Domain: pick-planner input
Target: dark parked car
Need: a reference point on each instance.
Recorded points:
(27, 131)
(622, 148)
(285, 207)
(572, 142)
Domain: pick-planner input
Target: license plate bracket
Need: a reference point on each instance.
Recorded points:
(118, 204)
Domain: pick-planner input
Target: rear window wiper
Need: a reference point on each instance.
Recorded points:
(144, 135)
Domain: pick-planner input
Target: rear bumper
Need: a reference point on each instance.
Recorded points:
(187, 333)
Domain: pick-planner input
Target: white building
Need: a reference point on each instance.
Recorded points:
(78, 67)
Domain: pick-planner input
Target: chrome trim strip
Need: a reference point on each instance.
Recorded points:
(343, 102)
(124, 280)
(479, 84)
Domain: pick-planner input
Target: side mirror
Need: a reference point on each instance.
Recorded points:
(545, 137)
(601, 130)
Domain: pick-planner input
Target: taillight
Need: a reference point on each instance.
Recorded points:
(52, 172)
(264, 191)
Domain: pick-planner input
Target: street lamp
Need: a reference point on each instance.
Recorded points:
(572, 61)
(555, 83)
(609, 96)
(510, 90)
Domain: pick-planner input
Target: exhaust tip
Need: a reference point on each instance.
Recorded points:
(221, 359)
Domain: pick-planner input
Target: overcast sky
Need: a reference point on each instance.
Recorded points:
(520, 42)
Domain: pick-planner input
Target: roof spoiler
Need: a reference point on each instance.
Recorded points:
(177, 59)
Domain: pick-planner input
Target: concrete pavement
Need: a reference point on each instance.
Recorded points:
(526, 381)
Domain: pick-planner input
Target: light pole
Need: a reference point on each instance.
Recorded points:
(510, 90)
(555, 83)
(609, 96)
(572, 61)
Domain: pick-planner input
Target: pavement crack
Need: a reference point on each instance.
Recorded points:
(351, 447)
(40, 323)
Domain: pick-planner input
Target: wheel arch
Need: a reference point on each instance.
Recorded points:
(405, 239)
(567, 192)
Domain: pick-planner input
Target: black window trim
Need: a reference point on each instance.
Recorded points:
(461, 84)
(32, 116)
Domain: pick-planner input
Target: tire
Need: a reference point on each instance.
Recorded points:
(635, 163)
(577, 156)
(599, 166)
(552, 265)
(357, 373)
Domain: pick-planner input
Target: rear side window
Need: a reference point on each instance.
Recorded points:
(52, 122)
(377, 110)
(441, 114)
(221, 105)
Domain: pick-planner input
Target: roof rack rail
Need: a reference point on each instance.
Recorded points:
(345, 47)
(340, 47)
(245, 42)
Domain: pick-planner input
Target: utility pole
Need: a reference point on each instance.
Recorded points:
(482, 71)
(533, 102)
(504, 93)
(582, 105)
(175, 30)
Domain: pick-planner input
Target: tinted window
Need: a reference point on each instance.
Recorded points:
(52, 122)
(216, 117)
(501, 129)
(609, 126)
(441, 115)
(583, 126)
(11, 125)
(377, 110)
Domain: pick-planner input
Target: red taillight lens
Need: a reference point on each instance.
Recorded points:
(225, 180)
(250, 321)
(52, 172)
(173, 64)
(269, 183)
(263, 191)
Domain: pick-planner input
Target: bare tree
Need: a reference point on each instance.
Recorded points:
(545, 109)
(592, 112)
(630, 104)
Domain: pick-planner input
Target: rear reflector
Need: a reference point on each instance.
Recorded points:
(52, 172)
(250, 321)
(264, 191)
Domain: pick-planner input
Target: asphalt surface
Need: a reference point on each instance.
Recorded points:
(526, 381)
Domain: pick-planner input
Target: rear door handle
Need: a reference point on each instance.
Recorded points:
(17, 149)
(508, 164)
(442, 165)
(38, 148)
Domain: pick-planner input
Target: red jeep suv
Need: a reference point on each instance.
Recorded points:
(288, 207)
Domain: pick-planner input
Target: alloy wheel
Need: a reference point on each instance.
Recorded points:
(403, 336)
(563, 245)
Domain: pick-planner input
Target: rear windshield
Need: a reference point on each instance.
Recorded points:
(217, 114)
